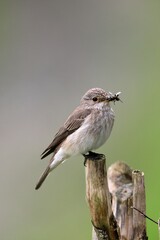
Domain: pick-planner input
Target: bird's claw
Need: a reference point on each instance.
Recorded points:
(92, 156)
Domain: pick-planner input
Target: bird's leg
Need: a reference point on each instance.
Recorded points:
(85, 159)
(92, 156)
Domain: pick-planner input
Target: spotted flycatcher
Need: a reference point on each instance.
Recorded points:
(86, 129)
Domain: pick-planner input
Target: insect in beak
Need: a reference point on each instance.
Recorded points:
(114, 97)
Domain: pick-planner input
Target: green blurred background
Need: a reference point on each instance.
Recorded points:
(52, 52)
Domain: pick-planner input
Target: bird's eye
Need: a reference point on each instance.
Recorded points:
(95, 99)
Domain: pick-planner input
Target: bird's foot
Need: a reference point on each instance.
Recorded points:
(92, 156)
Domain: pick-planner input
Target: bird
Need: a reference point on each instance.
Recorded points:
(86, 129)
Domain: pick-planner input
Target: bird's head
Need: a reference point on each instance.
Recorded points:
(97, 96)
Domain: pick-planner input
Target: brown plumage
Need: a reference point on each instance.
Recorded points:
(72, 124)
(42, 178)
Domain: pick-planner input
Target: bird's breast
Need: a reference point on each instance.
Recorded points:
(93, 133)
(102, 126)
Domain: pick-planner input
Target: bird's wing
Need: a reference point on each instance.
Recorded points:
(73, 123)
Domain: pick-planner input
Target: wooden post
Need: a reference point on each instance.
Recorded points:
(99, 199)
(121, 189)
(111, 200)
(128, 192)
(139, 221)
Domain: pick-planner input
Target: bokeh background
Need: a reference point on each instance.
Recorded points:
(52, 52)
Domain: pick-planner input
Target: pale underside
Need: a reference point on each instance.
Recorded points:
(92, 134)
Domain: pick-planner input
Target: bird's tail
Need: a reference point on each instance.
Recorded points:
(43, 177)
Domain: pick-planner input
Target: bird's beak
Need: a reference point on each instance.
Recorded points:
(113, 97)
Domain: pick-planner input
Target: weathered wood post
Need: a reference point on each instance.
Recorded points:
(128, 191)
(99, 199)
(111, 200)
